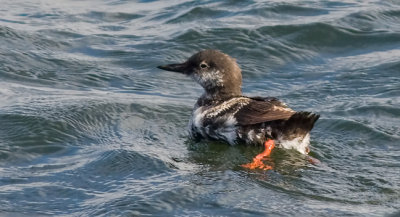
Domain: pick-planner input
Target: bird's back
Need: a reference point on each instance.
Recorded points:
(251, 121)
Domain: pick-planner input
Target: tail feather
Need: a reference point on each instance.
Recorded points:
(299, 124)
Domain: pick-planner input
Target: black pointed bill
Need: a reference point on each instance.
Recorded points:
(178, 67)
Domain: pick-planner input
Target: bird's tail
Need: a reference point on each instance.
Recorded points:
(295, 132)
(298, 125)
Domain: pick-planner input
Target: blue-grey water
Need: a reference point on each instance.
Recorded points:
(90, 127)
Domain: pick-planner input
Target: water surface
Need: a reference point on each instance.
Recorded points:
(90, 127)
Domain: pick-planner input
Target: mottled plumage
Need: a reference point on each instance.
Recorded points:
(223, 113)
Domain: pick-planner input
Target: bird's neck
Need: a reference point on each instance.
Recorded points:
(212, 96)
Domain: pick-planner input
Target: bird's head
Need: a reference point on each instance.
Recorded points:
(216, 72)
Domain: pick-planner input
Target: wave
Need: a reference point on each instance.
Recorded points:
(358, 130)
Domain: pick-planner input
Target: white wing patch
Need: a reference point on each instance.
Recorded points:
(240, 101)
(280, 108)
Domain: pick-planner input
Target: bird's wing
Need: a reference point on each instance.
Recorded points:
(260, 110)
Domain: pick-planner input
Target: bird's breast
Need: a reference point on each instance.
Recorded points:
(217, 121)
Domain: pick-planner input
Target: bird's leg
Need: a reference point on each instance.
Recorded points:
(312, 160)
(257, 160)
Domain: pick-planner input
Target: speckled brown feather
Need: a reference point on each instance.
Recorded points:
(223, 113)
(261, 110)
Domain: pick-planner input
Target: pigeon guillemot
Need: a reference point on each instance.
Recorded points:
(223, 113)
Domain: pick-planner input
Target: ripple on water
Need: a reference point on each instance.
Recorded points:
(89, 126)
(330, 38)
(378, 20)
(283, 9)
(198, 13)
(24, 137)
(112, 139)
(112, 17)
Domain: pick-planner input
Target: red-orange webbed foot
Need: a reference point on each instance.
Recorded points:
(257, 160)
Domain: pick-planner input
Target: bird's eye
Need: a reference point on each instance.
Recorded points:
(203, 65)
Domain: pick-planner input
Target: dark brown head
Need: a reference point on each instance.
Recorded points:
(215, 71)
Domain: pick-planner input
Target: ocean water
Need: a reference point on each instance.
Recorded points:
(90, 127)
